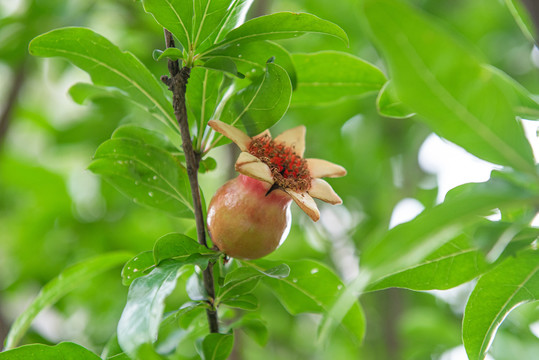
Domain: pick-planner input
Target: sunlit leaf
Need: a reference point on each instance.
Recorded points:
(234, 17)
(171, 53)
(208, 14)
(107, 65)
(446, 85)
(143, 312)
(66, 282)
(512, 283)
(63, 351)
(330, 76)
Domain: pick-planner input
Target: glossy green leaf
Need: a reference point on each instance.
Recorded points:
(81, 92)
(512, 283)
(146, 136)
(179, 247)
(174, 15)
(522, 18)
(246, 302)
(251, 58)
(312, 287)
(389, 105)
(171, 53)
(63, 351)
(234, 17)
(415, 239)
(147, 174)
(143, 312)
(67, 281)
(189, 312)
(445, 84)
(216, 346)
(138, 266)
(208, 14)
(329, 76)
(107, 65)
(254, 327)
(239, 282)
(224, 64)
(261, 104)
(453, 264)
(282, 25)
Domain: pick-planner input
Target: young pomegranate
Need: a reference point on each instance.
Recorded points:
(249, 217)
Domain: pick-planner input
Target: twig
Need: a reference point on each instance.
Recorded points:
(177, 83)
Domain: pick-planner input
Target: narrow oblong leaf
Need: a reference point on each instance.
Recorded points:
(147, 174)
(282, 25)
(224, 64)
(174, 15)
(522, 18)
(260, 105)
(178, 247)
(453, 264)
(512, 283)
(67, 281)
(446, 85)
(201, 99)
(107, 65)
(389, 105)
(64, 351)
(216, 346)
(140, 320)
(208, 14)
(330, 76)
(171, 53)
(234, 17)
(246, 302)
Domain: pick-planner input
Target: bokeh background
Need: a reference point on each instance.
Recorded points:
(54, 212)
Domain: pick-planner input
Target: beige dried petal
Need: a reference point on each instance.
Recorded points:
(295, 138)
(320, 189)
(251, 166)
(322, 168)
(236, 135)
(306, 203)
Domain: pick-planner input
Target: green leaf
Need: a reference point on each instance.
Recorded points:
(224, 64)
(174, 15)
(143, 312)
(207, 16)
(63, 351)
(312, 287)
(329, 76)
(202, 95)
(147, 174)
(261, 104)
(453, 264)
(178, 247)
(414, 240)
(81, 92)
(171, 53)
(146, 136)
(251, 58)
(283, 25)
(67, 281)
(525, 106)
(246, 302)
(138, 266)
(254, 327)
(239, 282)
(216, 346)
(389, 105)
(446, 85)
(107, 65)
(522, 18)
(512, 283)
(234, 16)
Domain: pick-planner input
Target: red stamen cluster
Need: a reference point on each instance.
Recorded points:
(289, 169)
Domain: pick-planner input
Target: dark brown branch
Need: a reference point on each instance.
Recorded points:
(177, 83)
(5, 117)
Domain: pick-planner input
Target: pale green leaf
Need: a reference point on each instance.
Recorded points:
(389, 105)
(62, 351)
(216, 346)
(174, 15)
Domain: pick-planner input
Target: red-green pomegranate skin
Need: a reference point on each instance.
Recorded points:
(243, 222)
